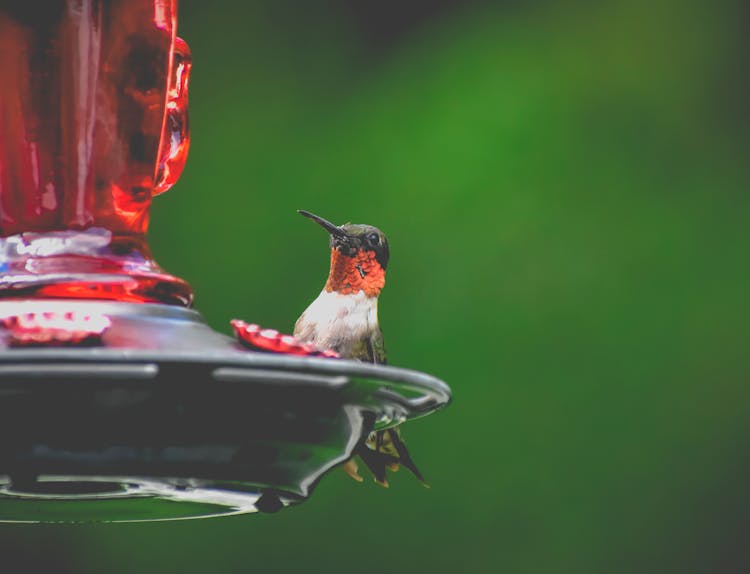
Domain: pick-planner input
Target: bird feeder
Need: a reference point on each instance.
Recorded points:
(117, 401)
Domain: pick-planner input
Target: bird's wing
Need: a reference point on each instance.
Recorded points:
(369, 349)
(376, 348)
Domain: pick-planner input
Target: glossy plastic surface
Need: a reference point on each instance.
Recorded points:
(174, 420)
(93, 123)
(175, 140)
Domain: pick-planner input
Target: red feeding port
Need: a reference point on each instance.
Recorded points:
(55, 329)
(259, 339)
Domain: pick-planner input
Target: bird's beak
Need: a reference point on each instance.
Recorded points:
(327, 225)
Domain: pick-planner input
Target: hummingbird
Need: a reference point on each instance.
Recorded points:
(344, 318)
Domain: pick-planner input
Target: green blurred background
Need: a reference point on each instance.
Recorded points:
(565, 190)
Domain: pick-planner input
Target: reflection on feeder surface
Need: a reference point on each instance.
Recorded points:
(119, 499)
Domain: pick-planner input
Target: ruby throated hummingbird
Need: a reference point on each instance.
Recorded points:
(344, 318)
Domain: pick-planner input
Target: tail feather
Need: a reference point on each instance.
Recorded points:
(385, 450)
(377, 463)
(404, 457)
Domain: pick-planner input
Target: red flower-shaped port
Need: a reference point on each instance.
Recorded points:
(56, 329)
(256, 338)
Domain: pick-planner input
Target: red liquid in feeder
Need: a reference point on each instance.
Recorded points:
(93, 123)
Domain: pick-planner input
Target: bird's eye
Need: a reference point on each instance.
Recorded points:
(374, 238)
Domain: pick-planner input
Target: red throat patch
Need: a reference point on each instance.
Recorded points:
(352, 274)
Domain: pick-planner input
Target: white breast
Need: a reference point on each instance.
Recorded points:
(334, 319)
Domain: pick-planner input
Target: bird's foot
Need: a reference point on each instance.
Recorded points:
(352, 469)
